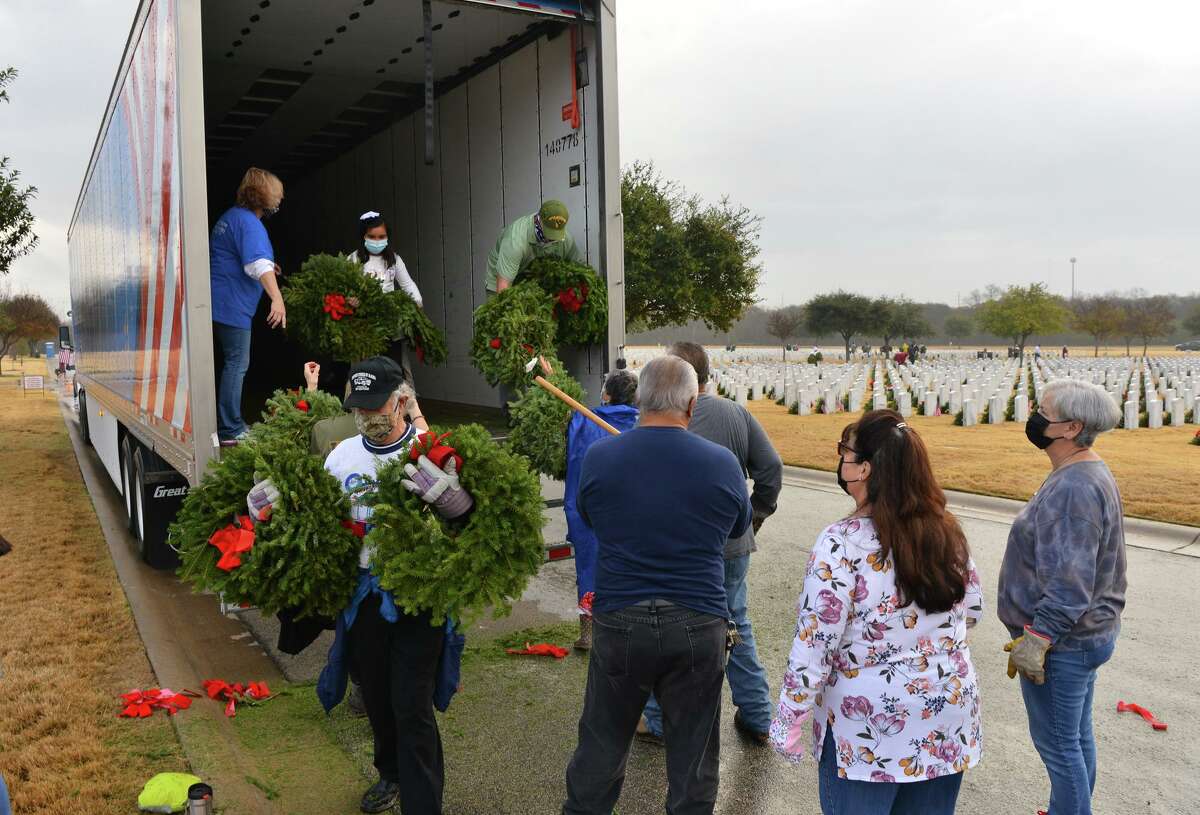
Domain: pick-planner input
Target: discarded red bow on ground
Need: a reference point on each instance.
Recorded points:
(541, 649)
(1141, 711)
(337, 307)
(232, 541)
(231, 694)
(433, 447)
(140, 704)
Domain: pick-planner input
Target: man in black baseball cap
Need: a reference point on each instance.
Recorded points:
(372, 382)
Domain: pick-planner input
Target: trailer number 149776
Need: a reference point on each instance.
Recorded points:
(560, 144)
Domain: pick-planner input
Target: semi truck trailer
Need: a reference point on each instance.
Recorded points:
(451, 118)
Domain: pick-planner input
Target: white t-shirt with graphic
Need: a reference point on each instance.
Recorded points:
(354, 463)
(389, 277)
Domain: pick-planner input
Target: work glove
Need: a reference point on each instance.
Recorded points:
(438, 487)
(261, 499)
(1027, 655)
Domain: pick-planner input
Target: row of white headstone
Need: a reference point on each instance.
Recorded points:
(991, 391)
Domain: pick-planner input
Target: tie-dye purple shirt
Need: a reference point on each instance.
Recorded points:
(1064, 568)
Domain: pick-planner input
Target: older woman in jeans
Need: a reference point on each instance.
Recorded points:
(879, 682)
(1062, 586)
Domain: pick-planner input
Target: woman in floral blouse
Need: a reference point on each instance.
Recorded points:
(879, 683)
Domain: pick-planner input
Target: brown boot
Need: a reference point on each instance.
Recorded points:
(584, 643)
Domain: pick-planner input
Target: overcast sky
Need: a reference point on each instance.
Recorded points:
(918, 147)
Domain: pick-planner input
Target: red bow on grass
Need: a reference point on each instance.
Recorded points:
(432, 446)
(337, 307)
(541, 649)
(232, 541)
(140, 704)
(231, 694)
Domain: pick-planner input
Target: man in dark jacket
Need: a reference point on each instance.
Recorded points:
(730, 425)
(662, 502)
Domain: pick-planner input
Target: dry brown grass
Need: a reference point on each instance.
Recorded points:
(1157, 470)
(68, 644)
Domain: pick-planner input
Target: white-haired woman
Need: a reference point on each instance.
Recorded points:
(1062, 586)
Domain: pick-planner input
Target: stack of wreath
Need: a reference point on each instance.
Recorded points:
(556, 303)
(337, 311)
(304, 559)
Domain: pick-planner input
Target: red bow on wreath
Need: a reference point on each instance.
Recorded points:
(232, 541)
(572, 299)
(431, 446)
(495, 343)
(231, 694)
(337, 307)
(139, 704)
(420, 350)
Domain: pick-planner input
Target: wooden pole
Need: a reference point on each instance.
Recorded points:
(555, 391)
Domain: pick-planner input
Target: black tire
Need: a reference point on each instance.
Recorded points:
(138, 520)
(127, 491)
(84, 432)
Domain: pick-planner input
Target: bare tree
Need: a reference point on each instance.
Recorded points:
(785, 323)
(1147, 318)
(1099, 316)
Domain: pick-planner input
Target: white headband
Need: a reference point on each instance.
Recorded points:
(368, 214)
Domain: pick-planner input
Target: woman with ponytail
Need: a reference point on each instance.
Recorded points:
(879, 683)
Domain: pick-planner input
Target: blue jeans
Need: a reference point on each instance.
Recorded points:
(1060, 722)
(747, 677)
(843, 796)
(234, 344)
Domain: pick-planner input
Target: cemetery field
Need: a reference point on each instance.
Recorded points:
(1157, 470)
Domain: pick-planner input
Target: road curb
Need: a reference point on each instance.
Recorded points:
(1140, 533)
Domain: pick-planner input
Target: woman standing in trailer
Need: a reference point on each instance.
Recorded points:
(381, 262)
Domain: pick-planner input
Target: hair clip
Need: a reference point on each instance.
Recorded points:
(902, 425)
(368, 214)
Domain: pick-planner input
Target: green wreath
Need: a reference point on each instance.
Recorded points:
(303, 558)
(578, 296)
(338, 311)
(446, 567)
(539, 424)
(415, 326)
(510, 328)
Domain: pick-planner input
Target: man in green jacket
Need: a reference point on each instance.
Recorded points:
(537, 235)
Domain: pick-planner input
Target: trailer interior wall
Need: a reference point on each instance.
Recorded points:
(501, 147)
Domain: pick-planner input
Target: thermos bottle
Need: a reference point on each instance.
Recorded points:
(200, 800)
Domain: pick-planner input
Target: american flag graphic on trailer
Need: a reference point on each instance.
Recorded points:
(127, 264)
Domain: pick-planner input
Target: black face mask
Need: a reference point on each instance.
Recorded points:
(1035, 430)
(842, 482)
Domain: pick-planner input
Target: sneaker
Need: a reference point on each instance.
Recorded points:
(644, 733)
(749, 733)
(382, 796)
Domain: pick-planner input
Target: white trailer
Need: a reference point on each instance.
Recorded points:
(451, 118)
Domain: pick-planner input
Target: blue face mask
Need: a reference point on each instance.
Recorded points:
(375, 247)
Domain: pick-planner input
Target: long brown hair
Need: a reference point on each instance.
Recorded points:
(926, 543)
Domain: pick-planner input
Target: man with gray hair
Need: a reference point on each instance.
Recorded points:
(730, 425)
(662, 502)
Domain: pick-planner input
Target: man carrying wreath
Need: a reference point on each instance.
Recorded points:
(394, 656)
(537, 235)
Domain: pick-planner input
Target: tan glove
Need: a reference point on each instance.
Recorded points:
(1027, 655)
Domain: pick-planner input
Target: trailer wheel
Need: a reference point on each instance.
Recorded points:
(127, 491)
(84, 434)
(137, 519)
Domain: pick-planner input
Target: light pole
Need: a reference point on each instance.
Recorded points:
(1072, 279)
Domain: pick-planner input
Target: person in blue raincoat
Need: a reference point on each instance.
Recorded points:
(617, 408)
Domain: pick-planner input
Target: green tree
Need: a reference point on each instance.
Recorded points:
(843, 313)
(1147, 318)
(1021, 312)
(25, 316)
(785, 323)
(684, 259)
(958, 327)
(17, 238)
(1100, 317)
(1192, 322)
(901, 318)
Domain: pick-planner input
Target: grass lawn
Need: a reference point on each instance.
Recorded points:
(68, 644)
(1157, 470)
